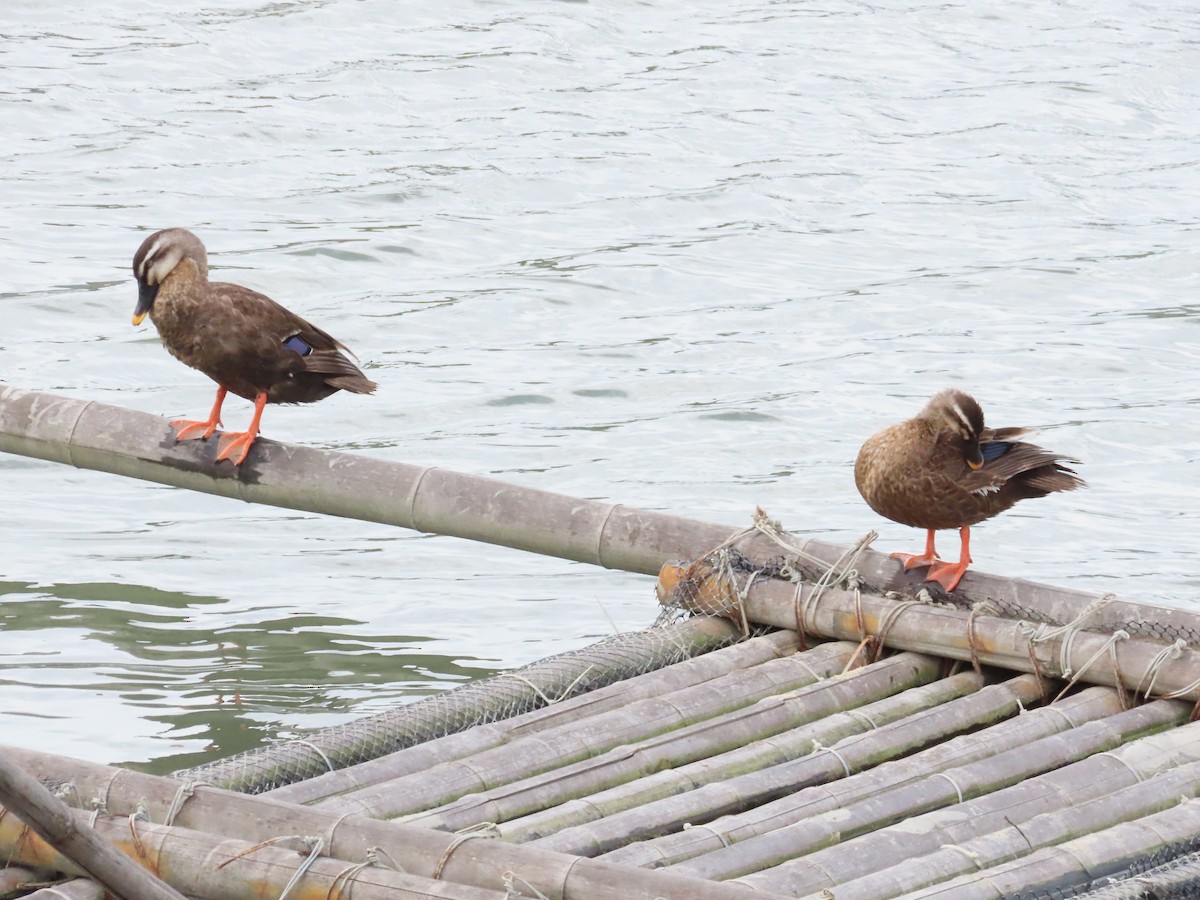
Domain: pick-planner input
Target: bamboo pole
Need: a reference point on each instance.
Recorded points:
(944, 631)
(1161, 791)
(762, 754)
(1089, 705)
(15, 878)
(93, 435)
(1078, 862)
(881, 734)
(688, 673)
(213, 867)
(419, 851)
(614, 661)
(52, 819)
(678, 747)
(547, 750)
(75, 889)
(774, 856)
(999, 801)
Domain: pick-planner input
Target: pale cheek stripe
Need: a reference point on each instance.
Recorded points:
(149, 256)
(962, 417)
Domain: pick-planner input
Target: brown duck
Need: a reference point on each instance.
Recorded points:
(244, 341)
(945, 469)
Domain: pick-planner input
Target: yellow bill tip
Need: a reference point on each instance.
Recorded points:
(137, 318)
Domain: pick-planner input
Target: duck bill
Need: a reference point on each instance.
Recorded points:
(146, 295)
(975, 456)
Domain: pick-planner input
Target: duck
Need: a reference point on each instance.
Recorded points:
(944, 469)
(247, 343)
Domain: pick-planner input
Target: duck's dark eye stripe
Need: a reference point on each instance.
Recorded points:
(297, 343)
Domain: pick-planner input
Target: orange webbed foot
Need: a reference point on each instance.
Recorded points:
(916, 560)
(234, 441)
(191, 429)
(948, 575)
(194, 429)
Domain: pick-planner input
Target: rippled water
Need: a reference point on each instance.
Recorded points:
(684, 256)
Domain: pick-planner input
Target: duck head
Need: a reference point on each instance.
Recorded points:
(159, 256)
(959, 414)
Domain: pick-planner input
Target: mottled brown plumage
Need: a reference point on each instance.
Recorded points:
(241, 339)
(945, 469)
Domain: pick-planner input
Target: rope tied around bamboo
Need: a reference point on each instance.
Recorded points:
(710, 584)
(741, 581)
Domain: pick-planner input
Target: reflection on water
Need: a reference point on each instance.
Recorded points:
(679, 256)
(151, 649)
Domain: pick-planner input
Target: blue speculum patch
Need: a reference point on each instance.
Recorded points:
(297, 343)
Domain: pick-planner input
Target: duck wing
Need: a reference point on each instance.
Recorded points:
(1039, 471)
(280, 352)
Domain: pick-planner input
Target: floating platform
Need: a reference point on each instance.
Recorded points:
(806, 720)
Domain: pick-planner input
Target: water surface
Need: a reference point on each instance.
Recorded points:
(683, 256)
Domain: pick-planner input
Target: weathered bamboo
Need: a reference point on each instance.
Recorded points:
(52, 819)
(755, 788)
(754, 757)
(958, 857)
(915, 835)
(93, 435)
(1077, 862)
(75, 889)
(213, 867)
(780, 848)
(1088, 705)
(615, 660)
(687, 673)
(547, 750)
(15, 878)
(701, 740)
(418, 851)
(943, 631)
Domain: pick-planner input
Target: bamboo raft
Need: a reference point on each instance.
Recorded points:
(805, 721)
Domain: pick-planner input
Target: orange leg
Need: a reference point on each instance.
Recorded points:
(949, 574)
(186, 429)
(241, 440)
(928, 558)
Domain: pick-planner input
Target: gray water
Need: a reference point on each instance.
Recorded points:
(680, 255)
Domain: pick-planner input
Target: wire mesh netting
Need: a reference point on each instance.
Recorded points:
(522, 690)
(1172, 873)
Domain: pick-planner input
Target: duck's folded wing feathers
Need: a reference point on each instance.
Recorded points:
(1017, 458)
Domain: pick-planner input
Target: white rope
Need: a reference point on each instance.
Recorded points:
(318, 751)
(818, 748)
(314, 845)
(182, 795)
(510, 880)
(952, 782)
